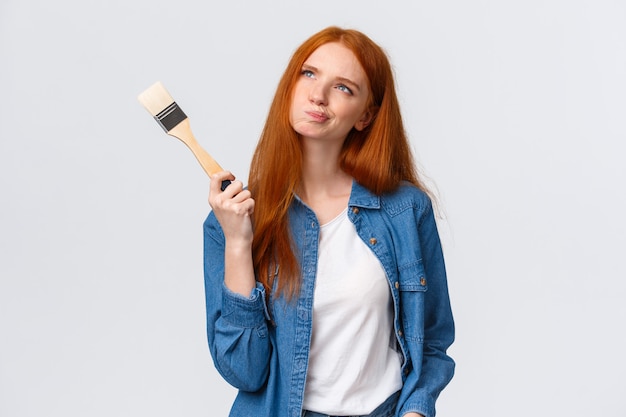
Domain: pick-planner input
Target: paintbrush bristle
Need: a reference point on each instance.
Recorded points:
(162, 106)
(155, 99)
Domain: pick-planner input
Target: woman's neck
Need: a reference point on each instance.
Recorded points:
(325, 187)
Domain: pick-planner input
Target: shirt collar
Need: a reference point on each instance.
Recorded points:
(362, 197)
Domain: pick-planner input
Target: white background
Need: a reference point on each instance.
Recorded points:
(516, 110)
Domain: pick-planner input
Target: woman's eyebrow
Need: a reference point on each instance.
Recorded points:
(309, 67)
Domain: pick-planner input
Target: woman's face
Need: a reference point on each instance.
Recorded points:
(331, 95)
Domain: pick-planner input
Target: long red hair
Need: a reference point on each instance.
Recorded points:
(378, 157)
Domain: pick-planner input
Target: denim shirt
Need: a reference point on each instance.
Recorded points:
(262, 349)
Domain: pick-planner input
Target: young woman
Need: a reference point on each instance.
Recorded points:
(326, 291)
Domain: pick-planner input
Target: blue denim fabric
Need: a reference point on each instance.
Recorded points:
(386, 409)
(262, 348)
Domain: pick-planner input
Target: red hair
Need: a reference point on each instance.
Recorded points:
(378, 157)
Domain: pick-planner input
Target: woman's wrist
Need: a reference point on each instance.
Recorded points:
(238, 267)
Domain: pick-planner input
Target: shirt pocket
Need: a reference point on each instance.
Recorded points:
(413, 287)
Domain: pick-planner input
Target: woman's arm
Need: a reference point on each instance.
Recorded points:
(235, 305)
(233, 209)
(429, 377)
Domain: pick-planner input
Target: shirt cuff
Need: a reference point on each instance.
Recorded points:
(244, 311)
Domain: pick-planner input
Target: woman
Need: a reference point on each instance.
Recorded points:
(326, 291)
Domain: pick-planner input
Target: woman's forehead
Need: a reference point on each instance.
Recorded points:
(337, 59)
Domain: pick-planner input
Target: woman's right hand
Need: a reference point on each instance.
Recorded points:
(233, 208)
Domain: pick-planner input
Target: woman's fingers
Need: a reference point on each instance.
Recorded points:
(217, 179)
(232, 207)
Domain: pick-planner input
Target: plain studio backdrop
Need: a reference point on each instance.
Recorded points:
(516, 111)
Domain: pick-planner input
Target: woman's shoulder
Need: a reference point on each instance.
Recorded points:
(407, 195)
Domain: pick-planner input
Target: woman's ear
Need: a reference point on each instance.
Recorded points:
(366, 118)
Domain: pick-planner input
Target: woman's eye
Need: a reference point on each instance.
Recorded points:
(308, 73)
(344, 88)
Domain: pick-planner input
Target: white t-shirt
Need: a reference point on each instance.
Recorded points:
(353, 364)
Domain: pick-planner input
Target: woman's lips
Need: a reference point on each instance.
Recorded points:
(318, 116)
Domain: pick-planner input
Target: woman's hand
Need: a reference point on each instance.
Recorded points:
(233, 209)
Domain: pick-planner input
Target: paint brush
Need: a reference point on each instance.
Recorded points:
(175, 122)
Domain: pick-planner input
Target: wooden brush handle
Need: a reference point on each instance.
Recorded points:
(183, 132)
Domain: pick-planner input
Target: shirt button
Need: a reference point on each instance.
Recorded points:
(355, 210)
(397, 285)
(423, 281)
(373, 241)
(400, 333)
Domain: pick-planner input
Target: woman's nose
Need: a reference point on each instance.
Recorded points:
(317, 96)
